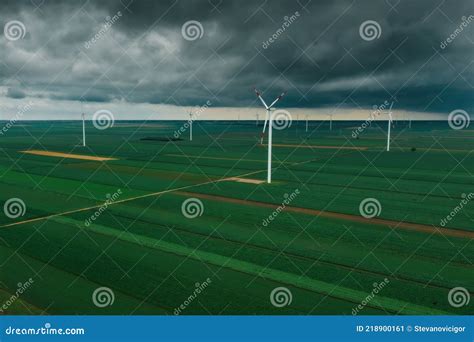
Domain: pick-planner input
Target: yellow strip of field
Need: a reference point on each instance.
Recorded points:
(142, 196)
(66, 155)
(244, 180)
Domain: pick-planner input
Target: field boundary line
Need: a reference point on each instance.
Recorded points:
(317, 286)
(153, 194)
(124, 200)
(411, 226)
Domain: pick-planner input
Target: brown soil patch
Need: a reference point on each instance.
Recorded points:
(374, 221)
(322, 147)
(66, 155)
(244, 180)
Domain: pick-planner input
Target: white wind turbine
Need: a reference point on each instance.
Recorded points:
(330, 121)
(306, 122)
(268, 118)
(389, 126)
(190, 126)
(256, 122)
(83, 129)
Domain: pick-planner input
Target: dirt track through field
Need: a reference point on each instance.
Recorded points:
(66, 155)
(321, 147)
(374, 221)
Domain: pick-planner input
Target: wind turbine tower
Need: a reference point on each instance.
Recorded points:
(389, 126)
(269, 118)
(190, 126)
(83, 129)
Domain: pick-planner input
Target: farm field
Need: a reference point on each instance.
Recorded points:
(149, 249)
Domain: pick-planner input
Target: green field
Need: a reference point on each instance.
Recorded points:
(152, 256)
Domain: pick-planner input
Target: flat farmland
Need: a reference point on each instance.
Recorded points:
(154, 217)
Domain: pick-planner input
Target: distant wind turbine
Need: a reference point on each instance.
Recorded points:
(389, 126)
(306, 122)
(190, 126)
(83, 129)
(269, 118)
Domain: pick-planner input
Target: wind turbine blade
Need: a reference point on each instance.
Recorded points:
(260, 97)
(264, 126)
(390, 112)
(278, 99)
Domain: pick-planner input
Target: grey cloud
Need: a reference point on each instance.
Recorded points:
(15, 93)
(320, 58)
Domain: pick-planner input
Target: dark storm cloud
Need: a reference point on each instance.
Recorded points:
(319, 57)
(15, 93)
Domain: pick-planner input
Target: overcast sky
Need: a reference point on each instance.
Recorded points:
(137, 59)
